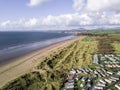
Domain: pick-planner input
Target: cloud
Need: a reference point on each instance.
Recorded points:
(97, 5)
(88, 13)
(75, 20)
(19, 24)
(5, 23)
(102, 5)
(79, 4)
(33, 3)
(31, 22)
(115, 19)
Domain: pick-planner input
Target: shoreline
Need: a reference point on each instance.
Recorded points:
(26, 63)
(7, 55)
(32, 52)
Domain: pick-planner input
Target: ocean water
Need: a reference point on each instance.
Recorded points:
(15, 44)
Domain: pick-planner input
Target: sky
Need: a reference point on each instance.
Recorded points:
(58, 14)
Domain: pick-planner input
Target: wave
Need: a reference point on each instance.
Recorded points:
(14, 51)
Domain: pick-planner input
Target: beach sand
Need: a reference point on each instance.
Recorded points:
(24, 64)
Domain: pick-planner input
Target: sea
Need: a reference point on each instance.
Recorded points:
(16, 44)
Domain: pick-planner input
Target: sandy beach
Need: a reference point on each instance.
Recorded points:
(24, 64)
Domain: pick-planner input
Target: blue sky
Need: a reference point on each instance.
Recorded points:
(58, 14)
(15, 9)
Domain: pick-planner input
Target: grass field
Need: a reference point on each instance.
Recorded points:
(109, 44)
(50, 74)
(117, 31)
(115, 38)
(116, 47)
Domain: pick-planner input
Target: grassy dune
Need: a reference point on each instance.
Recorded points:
(50, 74)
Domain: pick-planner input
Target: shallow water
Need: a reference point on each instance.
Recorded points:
(15, 44)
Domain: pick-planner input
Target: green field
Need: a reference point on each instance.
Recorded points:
(109, 44)
(117, 31)
(50, 74)
(116, 47)
(115, 38)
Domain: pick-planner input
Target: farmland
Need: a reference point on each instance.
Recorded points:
(104, 46)
(115, 38)
(109, 44)
(110, 31)
(116, 47)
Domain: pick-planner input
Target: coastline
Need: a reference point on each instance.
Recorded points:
(10, 53)
(8, 61)
(26, 63)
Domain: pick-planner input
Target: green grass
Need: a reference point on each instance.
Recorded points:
(115, 31)
(79, 54)
(116, 47)
(21, 83)
(78, 84)
(115, 38)
(88, 39)
(114, 88)
(93, 66)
